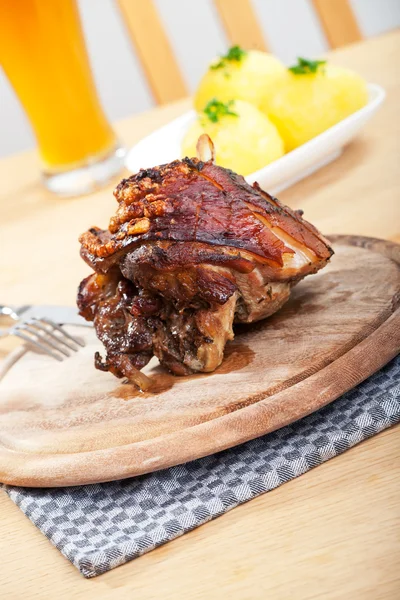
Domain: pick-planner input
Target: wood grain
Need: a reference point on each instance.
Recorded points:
(338, 21)
(333, 532)
(241, 24)
(67, 424)
(154, 50)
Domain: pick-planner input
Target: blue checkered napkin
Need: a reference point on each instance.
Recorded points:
(98, 527)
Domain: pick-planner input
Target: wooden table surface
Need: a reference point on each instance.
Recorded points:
(333, 532)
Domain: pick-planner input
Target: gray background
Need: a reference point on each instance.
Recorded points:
(290, 26)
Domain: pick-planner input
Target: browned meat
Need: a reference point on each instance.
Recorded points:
(191, 250)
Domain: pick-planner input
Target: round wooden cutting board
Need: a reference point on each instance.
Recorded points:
(68, 424)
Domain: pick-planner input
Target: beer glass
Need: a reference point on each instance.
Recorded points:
(43, 53)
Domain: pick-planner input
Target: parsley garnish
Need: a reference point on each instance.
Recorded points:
(305, 67)
(234, 54)
(215, 109)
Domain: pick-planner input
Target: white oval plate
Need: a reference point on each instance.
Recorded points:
(164, 145)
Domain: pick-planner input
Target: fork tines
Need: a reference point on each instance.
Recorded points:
(48, 337)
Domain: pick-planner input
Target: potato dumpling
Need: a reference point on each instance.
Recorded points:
(245, 140)
(314, 97)
(252, 76)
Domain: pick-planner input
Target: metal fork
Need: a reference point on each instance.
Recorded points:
(47, 336)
